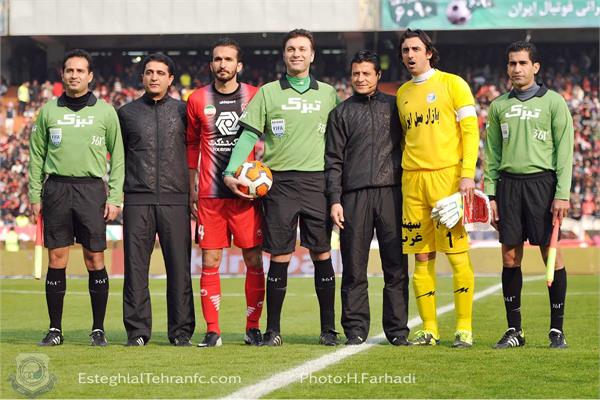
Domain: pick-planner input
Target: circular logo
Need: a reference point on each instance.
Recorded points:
(32, 371)
(210, 110)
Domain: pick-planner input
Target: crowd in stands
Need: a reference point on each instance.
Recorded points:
(575, 78)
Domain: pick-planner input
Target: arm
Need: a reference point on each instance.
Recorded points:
(193, 172)
(38, 147)
(562, 137)
(114, 145)
(334, 162)
(493, 157)
(464, 104)
(239, 154)
(192, 142)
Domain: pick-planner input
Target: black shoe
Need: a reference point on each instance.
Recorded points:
(182, 341)
(557, 339)
(211, 339)
(399, 341)
(136, 342)
(98, 338)
(253, 337)
(354, 341)
(272, 339)
(511, 338)
(329, 338)
(54, 337)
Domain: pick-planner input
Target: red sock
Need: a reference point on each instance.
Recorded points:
(255, 296)
(210, 295)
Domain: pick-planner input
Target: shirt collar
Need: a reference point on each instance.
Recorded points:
(424, 76)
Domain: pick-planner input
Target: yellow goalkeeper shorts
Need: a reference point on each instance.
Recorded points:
(420, 191)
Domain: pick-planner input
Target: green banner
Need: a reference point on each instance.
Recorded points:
(489, 14)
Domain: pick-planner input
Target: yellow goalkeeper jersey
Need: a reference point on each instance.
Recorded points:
(436, 134)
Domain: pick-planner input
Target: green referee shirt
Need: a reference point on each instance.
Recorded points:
(525, 137)
(75, 143)
(293, 124)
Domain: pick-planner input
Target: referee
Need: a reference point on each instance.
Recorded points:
(363, 175)
(529, 157)
(292, 114)
(68, 147)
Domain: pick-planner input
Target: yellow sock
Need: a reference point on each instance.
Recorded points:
(424, 286)
(464, 286)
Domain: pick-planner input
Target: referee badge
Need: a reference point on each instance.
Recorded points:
(56, 136)
(278, 127)
(504, 129)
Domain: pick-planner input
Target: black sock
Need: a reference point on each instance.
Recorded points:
(276, 287)
(558, 292)
(56, 286)
(325, 288)
(98, 285)
(512, 282)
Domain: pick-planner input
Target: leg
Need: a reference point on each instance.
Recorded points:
(254, 286)
(210, 288)
(56, 285)
(512, 284)
(175, 240)
(388, 225)
(464, 286)
(558, 290)
(98, 286)
(355, 241)
(139, 234)
(424, 288)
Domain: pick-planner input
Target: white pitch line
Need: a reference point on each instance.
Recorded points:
(290, 376)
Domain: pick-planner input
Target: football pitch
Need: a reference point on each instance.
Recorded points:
(302, 368)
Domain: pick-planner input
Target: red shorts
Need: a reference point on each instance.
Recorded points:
(218, 219)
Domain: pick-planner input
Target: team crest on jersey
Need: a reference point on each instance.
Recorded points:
(56, 136)
(210, 110)
(278, 127)
(431, 97)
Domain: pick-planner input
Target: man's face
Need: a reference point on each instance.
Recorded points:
(298, 54)
(415, 56)
(76, 76)
(156, 79)
(364, 78)
(521, 70)
(225, 65)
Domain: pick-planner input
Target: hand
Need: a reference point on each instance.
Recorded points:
(337, 215)
(194, 205)
(36, 209)
(232, 183)
(559, 209)
(466, 188)
(495, 216)
(111, 212)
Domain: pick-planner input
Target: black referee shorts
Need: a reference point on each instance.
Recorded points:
(73, 208)
(525, 207)
(296, 197)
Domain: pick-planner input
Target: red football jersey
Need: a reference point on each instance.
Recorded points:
(212, 132)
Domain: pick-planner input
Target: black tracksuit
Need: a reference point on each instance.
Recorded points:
(156, 201)
(363, 173)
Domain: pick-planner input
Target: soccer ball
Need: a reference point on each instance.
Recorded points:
(255, 177)
(457, 12)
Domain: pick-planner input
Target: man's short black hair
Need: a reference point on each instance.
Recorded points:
(522, 45)
(227, 42)
(298, 33)
(79, 53)
(367, 56)
(162, 58)
(411, 33)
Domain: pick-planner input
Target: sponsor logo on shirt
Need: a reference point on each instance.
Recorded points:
(297, 104)
(76, 120)
(278, 127)
(227, 123)
(522, 112)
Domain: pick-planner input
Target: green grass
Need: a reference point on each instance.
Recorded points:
(442, 372)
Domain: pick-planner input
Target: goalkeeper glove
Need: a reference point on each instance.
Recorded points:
(449, 210)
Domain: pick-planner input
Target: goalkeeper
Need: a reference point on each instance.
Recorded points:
(437, 112)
